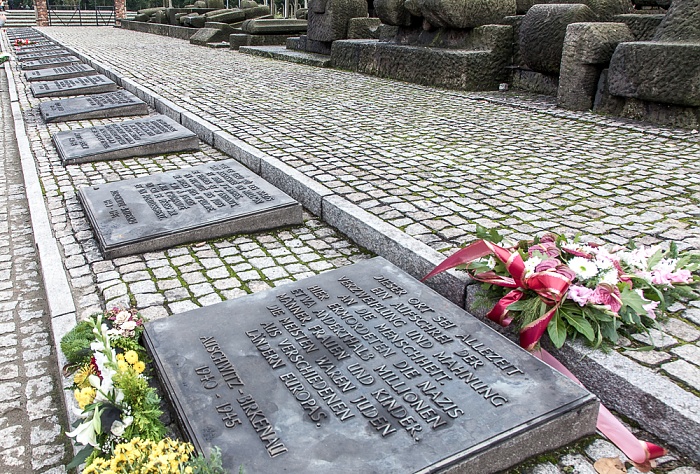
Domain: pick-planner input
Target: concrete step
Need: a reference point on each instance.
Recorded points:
(284, 54)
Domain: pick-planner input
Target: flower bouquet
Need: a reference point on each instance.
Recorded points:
(570, 289)
(119, 413)
(18, 43)
(115, 402)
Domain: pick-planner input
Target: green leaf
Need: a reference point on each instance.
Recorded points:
(631, 299)
(654, 259)
(80, 458)
(609, 331)
(556, 329)
(580, 324)
(595, 314)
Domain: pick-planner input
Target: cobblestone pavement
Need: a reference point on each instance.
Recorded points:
(432, 163)
(31, 411)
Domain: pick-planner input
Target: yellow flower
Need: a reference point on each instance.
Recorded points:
(188, 470)
(131, 357)
(81, 376)
(139, 367)
(120, 356)
(84, 396)
(122, 366)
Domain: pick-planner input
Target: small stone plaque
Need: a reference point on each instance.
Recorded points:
(56, 73)
(28, 50)
(55, 53)
(75, 86)
(146, 136)
(110, 104)
(360, 370)
(49, 62)
(166, 209)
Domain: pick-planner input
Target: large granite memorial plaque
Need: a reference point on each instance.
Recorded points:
(75, 86)
(49, 62)
(54, 53)
(360, 370)
(146, 136)
(57, 73)
(166, 209)
(109, 104)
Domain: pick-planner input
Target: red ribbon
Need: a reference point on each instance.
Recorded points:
(551, 287)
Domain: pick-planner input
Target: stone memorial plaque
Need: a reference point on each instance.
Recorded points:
(57, 73)
(146, 136)
(49, 62)
(55, 53)
(360, 370)
(166, 209)
(74, 86)
(110, 104)
(45, 48)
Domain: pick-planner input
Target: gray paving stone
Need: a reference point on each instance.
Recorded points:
(685, 372)
(688, 352)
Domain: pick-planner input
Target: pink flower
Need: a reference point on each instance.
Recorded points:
(662, 277)
(545, 248)
(566, 272)
(607, 295)
(545, 265)
(579, 294)
(650, 307)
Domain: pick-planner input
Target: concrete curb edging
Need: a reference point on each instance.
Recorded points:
(59, 297)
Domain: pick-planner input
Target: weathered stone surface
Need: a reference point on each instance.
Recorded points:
(76, 86)
(54, 53)
(522, 6)
(209, 35)
(110, 104)
(642, 26)
(542, 34)
(328, 19)
(237, 40)
(274, 27)
(392, 12)
(328, 396)
(363, 28)
(256, 12)
(228, 16)
(464, 69)
(50, 62)
(586, 47)
(194, 204)
(196, 21)
(604, 9)
(658, 72)
(681, 23)
(461, 13)
(157, 134)
(57, 73)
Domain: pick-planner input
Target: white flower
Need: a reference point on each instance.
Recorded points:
(583, 267)
(491, 262)
(666, 265)
(128, 326)
(531, 263)
(122, 317)
(610, 277)
(118, 427)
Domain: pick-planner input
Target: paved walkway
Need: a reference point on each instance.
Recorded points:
(429, 164)
(31, 408)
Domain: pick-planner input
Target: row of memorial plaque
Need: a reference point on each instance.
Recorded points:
(161, 210)
(360, 370)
